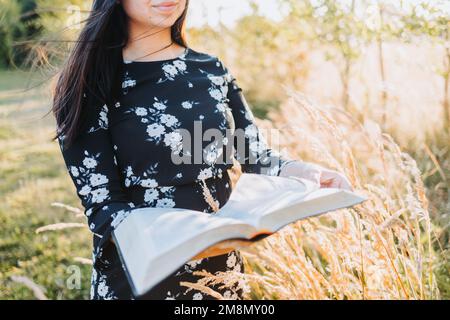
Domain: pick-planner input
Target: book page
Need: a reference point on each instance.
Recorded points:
(165, 228)
(254, 196)
(315, 203)
(269, 203)
(153, 242)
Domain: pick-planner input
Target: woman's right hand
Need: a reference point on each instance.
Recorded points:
(321, 176)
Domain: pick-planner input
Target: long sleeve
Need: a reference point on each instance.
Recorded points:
(92, 165)
(251, 149)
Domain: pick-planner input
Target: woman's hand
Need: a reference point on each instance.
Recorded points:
(324, 177)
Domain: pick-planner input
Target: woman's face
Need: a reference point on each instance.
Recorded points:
(154, 13)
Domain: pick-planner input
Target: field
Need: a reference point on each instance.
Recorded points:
(386, 249)
(32, 178)
(362, 87)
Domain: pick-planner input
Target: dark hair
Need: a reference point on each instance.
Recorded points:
(91, 69)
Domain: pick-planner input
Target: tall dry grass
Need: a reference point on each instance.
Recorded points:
(381, 249)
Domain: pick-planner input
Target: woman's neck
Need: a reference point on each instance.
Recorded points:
(146, 40)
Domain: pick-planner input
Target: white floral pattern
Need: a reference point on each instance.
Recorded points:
(127, 83)
(122, 161)
(160, 126)
(93, 185)
(173, 69)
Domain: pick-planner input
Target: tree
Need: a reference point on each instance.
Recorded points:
(335, 27)
(18, 21)
(23, 23)
(9, 29)
(431, 20)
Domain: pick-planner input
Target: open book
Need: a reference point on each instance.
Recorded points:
(155, 242)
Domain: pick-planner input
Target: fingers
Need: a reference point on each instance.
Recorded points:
(302, 170)
(335, 180)
(330, 183)
(323, 177)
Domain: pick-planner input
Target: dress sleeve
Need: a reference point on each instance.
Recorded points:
(92, 165)
(250, 147)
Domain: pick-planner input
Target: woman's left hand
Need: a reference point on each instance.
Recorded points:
(325, 177)
(334, 179)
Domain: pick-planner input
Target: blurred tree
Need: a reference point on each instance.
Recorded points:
(61, 20)
(262, 54)
(335, 28)
(62, 16)
(340, 29)
(429, 19)
(23, 23)
(18, 21)
(9, 15)
(381, 21)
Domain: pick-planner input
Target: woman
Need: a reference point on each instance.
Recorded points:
(129, 87)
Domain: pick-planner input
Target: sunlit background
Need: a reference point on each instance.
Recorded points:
(358, 86)
(214, 12)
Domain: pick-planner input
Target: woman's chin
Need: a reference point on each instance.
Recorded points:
(163, 21)
(161, 24)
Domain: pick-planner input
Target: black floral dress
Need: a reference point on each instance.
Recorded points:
(127, 156)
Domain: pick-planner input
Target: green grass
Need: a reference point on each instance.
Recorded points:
(32, 177)
(437, 183)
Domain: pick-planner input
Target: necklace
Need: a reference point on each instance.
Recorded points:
(148, 54)
(143, 35)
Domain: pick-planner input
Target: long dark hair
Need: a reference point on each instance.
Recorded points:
(91, 69)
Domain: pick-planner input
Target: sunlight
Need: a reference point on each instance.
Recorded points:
(211, 12)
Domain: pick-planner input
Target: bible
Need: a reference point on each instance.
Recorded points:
(154, 242)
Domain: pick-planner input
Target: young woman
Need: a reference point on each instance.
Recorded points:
(130, 84)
